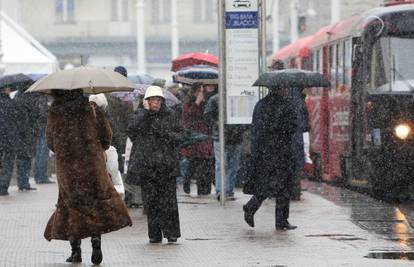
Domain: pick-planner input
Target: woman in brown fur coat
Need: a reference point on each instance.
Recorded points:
(88, 204)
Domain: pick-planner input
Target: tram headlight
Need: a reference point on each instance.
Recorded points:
(402, 131)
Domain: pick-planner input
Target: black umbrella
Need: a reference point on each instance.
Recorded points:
(15, 81)
(292, 78)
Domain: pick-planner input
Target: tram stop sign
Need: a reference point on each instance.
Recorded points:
(242, 50)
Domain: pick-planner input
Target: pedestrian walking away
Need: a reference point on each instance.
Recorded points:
(272, 164)
(29, 117)
(88, 204)
(156, 134)
(8, 140)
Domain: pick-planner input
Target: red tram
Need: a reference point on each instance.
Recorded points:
(362, 127)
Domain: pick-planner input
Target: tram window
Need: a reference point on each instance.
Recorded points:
(394, 57)
(332, 64)
(377, 76)
(311, 60)
(341, 73)
(348, 63)
(316, 61)
(320, 60)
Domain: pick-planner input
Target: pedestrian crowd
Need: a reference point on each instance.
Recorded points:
(171, 145)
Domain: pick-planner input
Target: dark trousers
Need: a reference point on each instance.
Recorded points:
(42, 155)
(6, 170)
(23, 165)
(162, 208)
(203, 171)
(281, 208)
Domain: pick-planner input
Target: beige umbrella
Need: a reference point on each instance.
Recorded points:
(91, 80)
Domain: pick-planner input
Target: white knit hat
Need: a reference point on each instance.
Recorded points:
(153, 91)
(99, 99)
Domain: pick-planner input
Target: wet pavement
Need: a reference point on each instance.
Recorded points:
(390, 222)
(337, 227)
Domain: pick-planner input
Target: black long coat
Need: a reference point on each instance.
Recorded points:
(155, 141)
(29, 116)
(8, 123)
(272, 164)
(155, 165)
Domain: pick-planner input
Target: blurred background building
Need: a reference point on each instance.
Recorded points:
(104, 32)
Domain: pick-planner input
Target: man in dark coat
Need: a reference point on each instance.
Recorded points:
(299, 106)
(29, 115)
(155, 134)
(8, 138)
(272, 163)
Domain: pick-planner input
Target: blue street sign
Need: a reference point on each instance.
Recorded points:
(242, 20)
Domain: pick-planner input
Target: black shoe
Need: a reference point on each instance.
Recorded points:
(4, 193)
(186, 187)
(172, 240)
(45, 181)
(248, 217)
(75, 257)
(285, 226)
(97, 256)
(288, 226)
(155, 240)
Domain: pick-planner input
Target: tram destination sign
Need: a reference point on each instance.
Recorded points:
(242, 59)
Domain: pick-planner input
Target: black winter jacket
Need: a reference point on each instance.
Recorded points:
(155, 140)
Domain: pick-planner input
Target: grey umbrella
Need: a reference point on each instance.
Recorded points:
(292, 78)
(91, 80)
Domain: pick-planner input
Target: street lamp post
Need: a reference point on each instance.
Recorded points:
(2, 67)
(174, 30)
(275, 16)
(141, 60)
(294, 35)
(335, 10)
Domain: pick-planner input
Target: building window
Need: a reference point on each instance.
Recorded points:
(203, 11)
(119, 10)
(65, 11)
(161, 11)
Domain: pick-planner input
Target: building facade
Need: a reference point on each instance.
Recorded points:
(103, 32)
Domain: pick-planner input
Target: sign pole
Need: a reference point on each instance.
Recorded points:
(222, 93)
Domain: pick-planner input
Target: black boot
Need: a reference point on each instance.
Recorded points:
(250, 209)
(76, 255)
(96, 257)
(281, 216)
